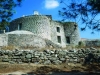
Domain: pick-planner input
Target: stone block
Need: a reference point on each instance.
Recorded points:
(11, 62)
(47, 62)
(47, 51)
(92, 48)
(16, 57)
(62, 53)
(75, 60)
(48, 56)
(80, 52)
(18, 60)
(71, 55)
(67, 60)
(28, 60)
(57, 62)
(45, 58)
(6, 60)
(35, 60)
(62, 59)
(6, 52)
(19, 53)
(42, 58)
(37, 54)
(28, 56)
(71, 60)
(67, 57)
(56, 51)
(71, 50)
(53, 59)
(52, 52)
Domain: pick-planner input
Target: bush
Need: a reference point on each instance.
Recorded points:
(81, 44)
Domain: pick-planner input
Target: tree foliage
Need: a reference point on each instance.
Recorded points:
(7, 11)
(86, 11)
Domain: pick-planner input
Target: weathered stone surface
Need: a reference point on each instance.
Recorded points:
(80, 52)
(48, 56)
(18, 53)
(53, 59)
(52, 52)
(57, 62)
(62, 53)
(11, 62)
(6, 60)
(71, 50)
(28, 56)
(47, 62)
(62, 59)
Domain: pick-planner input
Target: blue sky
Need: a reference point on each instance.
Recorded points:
(48, 7)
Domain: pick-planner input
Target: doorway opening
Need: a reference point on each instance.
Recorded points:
(59, 39)
(68, 40)
(19, 26)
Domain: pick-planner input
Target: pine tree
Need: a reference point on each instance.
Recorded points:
(86, 11)
(7, 11)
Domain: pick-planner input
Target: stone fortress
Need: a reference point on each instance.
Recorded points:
(32, 29)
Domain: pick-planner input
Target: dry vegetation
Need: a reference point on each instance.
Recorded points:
(44, 69)
(7, 47)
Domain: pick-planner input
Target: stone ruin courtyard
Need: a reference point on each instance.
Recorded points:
(39, 45)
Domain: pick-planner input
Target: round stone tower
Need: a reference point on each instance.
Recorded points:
(71, 33)
(38, 24)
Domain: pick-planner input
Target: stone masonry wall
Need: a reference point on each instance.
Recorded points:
(38, 24)
(47, 56)
(72, 32)
(45, 27)
(26, 40)
(92, 43)
(54, 33)
(3, 40)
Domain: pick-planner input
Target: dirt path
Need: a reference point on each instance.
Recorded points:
(31, 69)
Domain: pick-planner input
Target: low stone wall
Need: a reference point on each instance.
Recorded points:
(47, 56)
(93, 43)
(26, 40)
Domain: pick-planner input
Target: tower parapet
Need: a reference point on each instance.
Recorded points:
(36, 13)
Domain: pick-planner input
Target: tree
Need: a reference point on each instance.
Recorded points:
(7, 11)
(86, 11)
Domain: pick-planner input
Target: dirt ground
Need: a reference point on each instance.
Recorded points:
(20, 69)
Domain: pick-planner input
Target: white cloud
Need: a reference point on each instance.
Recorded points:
(51, 4)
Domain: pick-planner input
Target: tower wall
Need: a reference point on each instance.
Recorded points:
(3, 40)
(71, 31)
(57, 33)
(38, 24)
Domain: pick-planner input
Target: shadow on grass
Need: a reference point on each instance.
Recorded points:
(45, 70)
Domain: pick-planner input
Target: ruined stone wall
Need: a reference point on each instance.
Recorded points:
(92, 43)
(71, 31)
(47, 56)
(3, 40)
(38, 24)
(55, 33)
(45, 27)
(26, 40)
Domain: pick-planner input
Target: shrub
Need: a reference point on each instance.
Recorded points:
(8, 48)
(81, 44)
